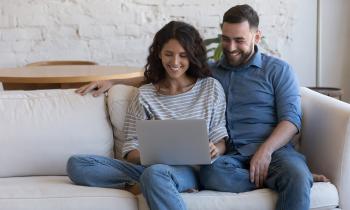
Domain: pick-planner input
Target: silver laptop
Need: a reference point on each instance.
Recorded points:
(173, 142)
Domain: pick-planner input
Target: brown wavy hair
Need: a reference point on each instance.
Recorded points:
(190, 40)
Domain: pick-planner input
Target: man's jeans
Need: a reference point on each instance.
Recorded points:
(160, 184)
(288, 175)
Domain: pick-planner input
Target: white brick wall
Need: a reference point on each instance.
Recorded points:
(115, 32)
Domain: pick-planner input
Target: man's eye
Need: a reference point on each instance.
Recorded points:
(225, 39)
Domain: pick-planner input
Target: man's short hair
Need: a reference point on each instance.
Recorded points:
(241, 13)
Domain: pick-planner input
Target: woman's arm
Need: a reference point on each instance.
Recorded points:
(217, 131)
(135, 111)
(99, 87)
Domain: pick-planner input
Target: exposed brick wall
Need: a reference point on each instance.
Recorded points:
(114, 32)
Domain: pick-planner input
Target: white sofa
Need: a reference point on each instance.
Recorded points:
(39, 130)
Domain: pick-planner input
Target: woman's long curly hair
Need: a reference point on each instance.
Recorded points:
(189, 39)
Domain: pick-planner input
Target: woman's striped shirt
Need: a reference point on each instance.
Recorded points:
(206, 100)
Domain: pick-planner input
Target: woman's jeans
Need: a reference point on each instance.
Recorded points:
(161, 184)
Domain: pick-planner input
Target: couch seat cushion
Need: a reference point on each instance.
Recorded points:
(323, 196)
(58, 192)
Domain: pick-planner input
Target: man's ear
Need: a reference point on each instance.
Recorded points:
(257, 37)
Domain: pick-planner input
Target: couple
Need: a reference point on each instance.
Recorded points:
(252, 137)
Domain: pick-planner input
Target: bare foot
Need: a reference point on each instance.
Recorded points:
(191, 190)
(134, 189)
(320, 178)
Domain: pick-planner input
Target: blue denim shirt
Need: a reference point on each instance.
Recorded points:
(259, 95)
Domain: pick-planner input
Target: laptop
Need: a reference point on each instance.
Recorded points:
(173, 142)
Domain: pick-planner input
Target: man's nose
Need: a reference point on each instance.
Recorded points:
(231, 46)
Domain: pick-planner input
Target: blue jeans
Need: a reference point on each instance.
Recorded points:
(160, 184)
(288, 175)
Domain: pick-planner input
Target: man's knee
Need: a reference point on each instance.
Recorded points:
(289, 166)
(298, 178)
(293, 176)
(225, 174)
(222, 165)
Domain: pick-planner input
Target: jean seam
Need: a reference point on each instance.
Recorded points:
(177, 193)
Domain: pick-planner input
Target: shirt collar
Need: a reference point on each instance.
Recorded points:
(253, 61)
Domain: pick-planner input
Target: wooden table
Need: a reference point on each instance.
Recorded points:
(65, 74)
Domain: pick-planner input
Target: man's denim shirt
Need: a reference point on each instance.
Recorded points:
(259, 95)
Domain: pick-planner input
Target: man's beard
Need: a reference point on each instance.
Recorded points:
(240, 58)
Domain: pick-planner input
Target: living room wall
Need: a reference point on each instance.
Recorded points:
(335, 45)
(119, 32)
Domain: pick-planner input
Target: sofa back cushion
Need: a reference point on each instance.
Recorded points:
(119, 97)
(40, 130)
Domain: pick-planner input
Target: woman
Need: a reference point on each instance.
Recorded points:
(177, 86)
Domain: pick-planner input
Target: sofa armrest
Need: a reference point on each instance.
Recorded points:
(325, 139)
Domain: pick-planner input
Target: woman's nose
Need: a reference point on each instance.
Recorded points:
(175, 61)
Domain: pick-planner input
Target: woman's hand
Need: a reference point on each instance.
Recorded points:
(96, 88)
(213, 150)
(217, 149)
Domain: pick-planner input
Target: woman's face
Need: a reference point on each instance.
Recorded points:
(174, 59)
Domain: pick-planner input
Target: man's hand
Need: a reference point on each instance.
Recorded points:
(96, 88)
(259, 165)
(260, 162)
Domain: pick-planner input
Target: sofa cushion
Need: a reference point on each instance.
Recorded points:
(118, 100)
(57, 192)
(41, 129)
(323, 196)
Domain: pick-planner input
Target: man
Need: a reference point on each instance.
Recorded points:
(263, 114)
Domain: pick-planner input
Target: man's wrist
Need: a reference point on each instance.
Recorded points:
(266, 149)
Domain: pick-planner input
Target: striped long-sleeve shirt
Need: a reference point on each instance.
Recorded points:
(206, 100)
